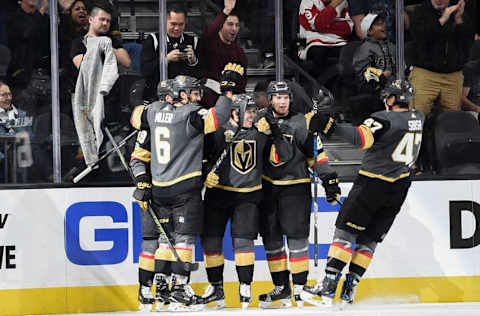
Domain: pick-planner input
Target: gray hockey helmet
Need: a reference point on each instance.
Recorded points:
(401, 90)
(186, 84)
(242, 102)
(278, 87)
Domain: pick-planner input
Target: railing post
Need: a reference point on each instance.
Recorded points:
(279, 66)
(162, 42)
(54, 68)
(400, 53)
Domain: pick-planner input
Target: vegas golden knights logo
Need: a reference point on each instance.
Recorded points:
(243, 156)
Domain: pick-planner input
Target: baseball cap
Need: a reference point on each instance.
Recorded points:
(367, 22)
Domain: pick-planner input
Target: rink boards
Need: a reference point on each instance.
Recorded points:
(76, 250)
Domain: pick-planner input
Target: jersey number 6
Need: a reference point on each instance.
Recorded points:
(162, 146)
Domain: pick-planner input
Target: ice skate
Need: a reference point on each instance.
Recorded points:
(214, 293)
(145, 298)
(280, 293)
(245, 295)
(183, 299)
(326, 291)
(162, 292)
(297, 290)
(347, 295)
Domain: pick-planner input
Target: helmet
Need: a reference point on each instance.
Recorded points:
(242, 102)
(184, 83)
(401, 90)
(323, 100)
(278, 87)
(164, 88)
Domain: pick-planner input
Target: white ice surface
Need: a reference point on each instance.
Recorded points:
(444, 309)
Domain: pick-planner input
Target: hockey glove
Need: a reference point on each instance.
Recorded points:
(323, 124)
(143, 191)
(231, 76)
(273, 123)
(332, 190)
(212, 180)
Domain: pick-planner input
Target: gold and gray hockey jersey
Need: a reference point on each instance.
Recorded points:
(170, 144)
(392, 142)
(242, 169)
(294, 128)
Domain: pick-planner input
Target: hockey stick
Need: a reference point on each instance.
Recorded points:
(120, 154)
(315, 201)
(187, 266)
(338, 201)
(89, 169)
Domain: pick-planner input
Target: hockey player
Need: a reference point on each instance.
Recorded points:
(235, 191)
(392, 141)
(170, 179)
(286, 206)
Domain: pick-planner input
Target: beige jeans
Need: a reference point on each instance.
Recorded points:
(429, 86)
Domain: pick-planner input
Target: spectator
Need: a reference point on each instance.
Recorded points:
(73, 24)
(14, 122)
(360, 8)
(374, 60)
(181, 52)
(326, 26)
(29, 41)
(443, 35)
(97, 75)
(471, 87)
(218, 47)
(8, 112)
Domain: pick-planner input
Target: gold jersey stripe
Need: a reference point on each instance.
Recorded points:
(244, 258)
(210, 124)
(179, 179)
(308, 118)
(286, 182)
(361, 259)
(338, 252)
(212, 261)
(277, 265)
(274, 156)
(382, 177)
(366, 135)
(186, 255)
(298, 266)
(136, 118)
(241, 190)
(147, 264)
(142, 154)
(164, 254)
(321, 158)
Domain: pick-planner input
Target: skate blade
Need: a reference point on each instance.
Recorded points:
(315, 300)
(245, 305)
(299, 304)
(145, 307)
(283, 303)
(161, 307)
(220, 304)
(345, 305)
(179, 307)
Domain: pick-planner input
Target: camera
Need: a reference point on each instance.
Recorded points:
(181, 47)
